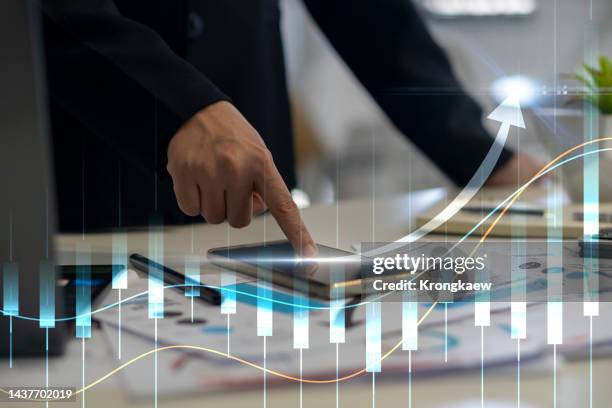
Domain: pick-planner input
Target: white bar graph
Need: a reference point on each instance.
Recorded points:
(156, 275)
(300, 326)
(482, 313)
(555, 323)
(120, 260)
(518, 320)
(591, 309)
(264, 306)
(228, 283)
(192, 276)
(410, 334)
(373, 337)
(337, 308)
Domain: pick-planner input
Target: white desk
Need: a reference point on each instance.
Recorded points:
(383, 219)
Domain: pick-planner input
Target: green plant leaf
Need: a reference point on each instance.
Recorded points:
(605, 104)
(594, 73)
(584, 80)
(598, 84)
(605, 65)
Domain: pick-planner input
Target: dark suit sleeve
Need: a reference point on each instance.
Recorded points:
(388, 47)
(117, 76)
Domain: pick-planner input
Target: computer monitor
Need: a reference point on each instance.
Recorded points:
(30, 296)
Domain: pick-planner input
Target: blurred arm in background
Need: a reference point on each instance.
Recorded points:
(390, 50)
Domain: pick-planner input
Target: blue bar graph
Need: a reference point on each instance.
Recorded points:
(518, 290)
(11, 289)
(264, 304)
(120, 260)
(156, 275)
(192, 276)
(554, 281)
(300, 315)
(373, 337)
(410, 325)
(83, 292)
(591, 209)
(228, 300)
(47, 294)
(337, 324)
(482, 299)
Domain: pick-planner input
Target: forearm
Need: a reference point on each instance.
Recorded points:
(118, 77)
(391, 52)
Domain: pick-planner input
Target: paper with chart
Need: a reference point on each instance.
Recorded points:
(441, 348)
(184, 370)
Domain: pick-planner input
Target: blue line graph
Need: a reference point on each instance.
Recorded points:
(291, 304)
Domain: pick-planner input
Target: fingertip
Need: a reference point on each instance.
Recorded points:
(191, 212)
(310, 250)
(213, 219)
(187, 208)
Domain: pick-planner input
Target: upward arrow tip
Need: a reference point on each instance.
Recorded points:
(509, 111)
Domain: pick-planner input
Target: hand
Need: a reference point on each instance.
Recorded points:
(515, 172)
(222, 169)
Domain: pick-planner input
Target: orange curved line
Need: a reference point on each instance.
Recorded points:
(534, 178)
(390, 351)
(246, 362)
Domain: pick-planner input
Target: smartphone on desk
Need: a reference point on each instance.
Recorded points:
(333, 274)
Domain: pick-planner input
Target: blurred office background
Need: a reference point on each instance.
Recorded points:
(347, 148)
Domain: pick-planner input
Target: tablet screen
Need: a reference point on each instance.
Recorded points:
(331, 264)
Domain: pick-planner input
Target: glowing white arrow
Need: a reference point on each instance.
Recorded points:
(509, 114)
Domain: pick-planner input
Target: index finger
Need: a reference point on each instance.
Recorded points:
(282, 207)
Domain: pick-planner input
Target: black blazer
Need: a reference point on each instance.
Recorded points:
(124, 75)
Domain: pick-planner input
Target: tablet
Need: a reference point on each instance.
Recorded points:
(333, 274)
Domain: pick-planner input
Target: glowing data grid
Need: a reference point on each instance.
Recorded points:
(264, 304)
(337, 305)
(120, 260)
(11, 289)
(591, 211)
(156, 275)
(410, 327)
(555, 261)
(83, 291)
(482, 304)
(228, 299)
(300, 315)
(518, 288)
(373, 337)
(192, 276)
(47, 294)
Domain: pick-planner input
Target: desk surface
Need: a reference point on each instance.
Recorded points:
(343, 225)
